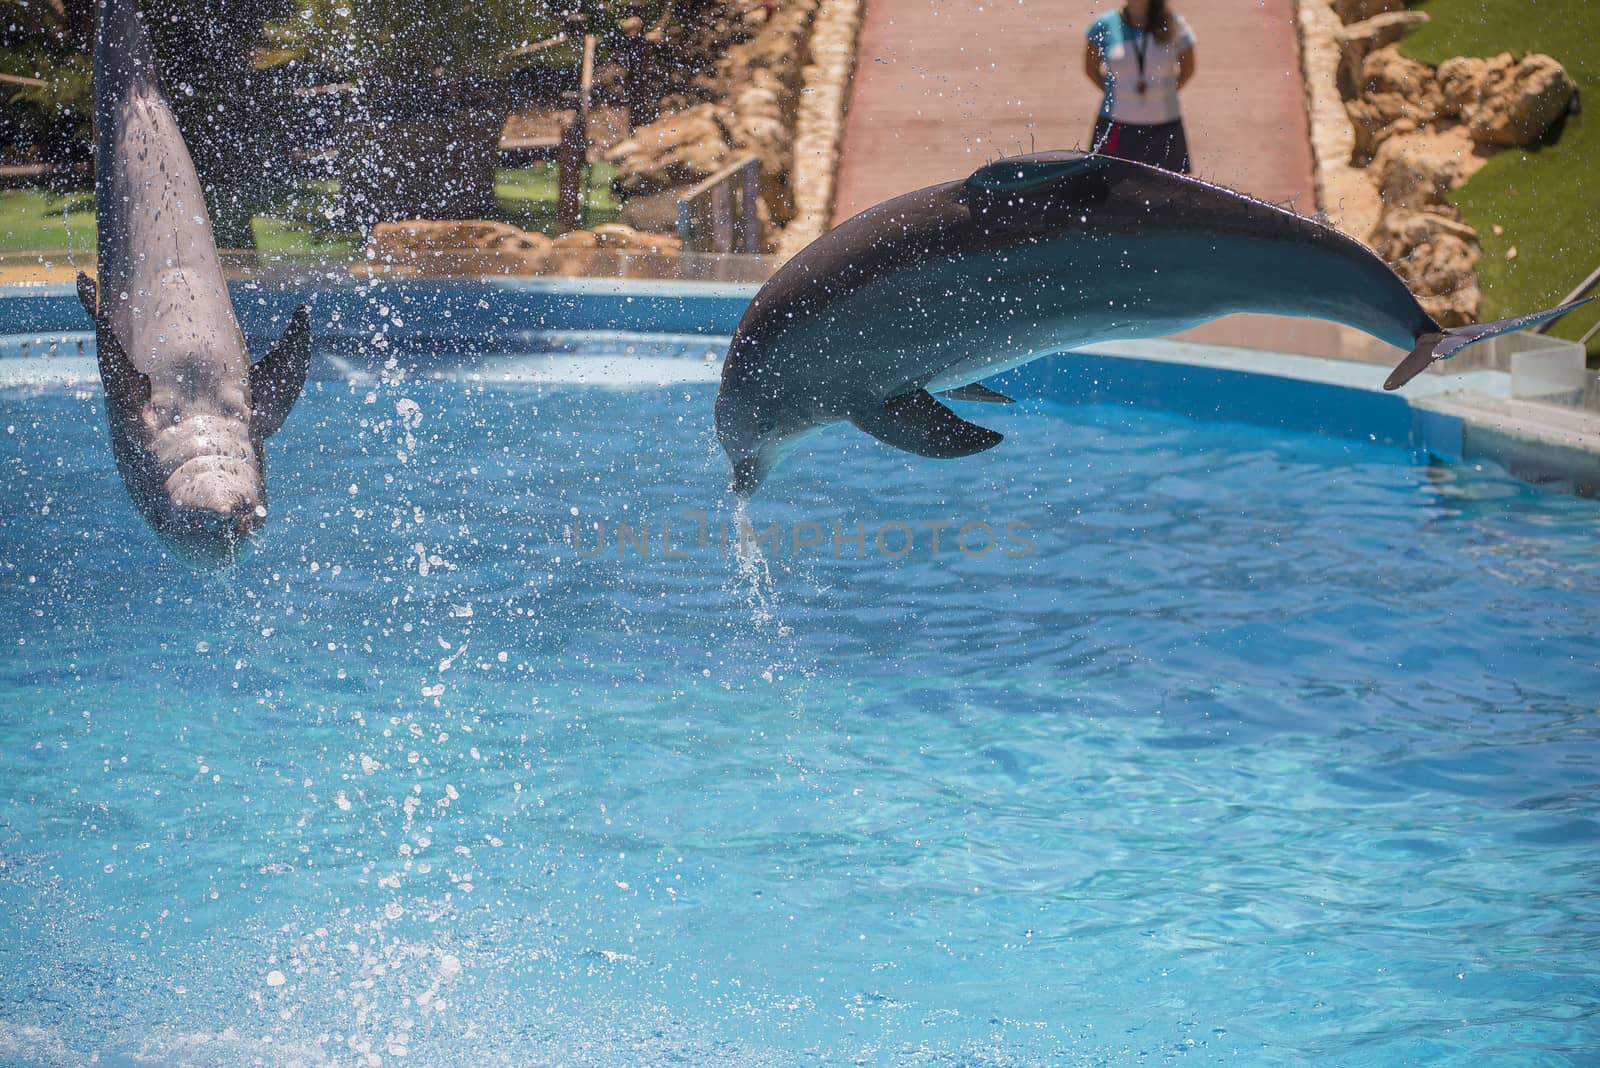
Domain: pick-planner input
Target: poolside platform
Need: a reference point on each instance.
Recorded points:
(1523, 401)
(942, 86)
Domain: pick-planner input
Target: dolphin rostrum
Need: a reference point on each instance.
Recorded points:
(188, 414)
(931, 291)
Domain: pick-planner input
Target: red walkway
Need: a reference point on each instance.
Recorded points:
(943, 85)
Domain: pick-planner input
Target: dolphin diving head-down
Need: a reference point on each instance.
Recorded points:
(190, 442)
(924, 295)
(188, 413)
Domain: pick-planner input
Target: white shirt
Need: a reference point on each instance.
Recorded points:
(1120, 46)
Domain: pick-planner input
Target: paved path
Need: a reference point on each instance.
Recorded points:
(943, 85)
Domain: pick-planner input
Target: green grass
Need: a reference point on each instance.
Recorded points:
(527, 197)
(299, 225)
(1546, 199)
(33, 220)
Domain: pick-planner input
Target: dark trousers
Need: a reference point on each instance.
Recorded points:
(1162, 145)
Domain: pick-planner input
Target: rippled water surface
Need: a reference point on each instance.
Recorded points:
(1231, 746)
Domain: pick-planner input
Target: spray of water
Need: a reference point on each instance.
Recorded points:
(753, 576)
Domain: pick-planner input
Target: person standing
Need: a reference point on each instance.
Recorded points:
(1141, 56)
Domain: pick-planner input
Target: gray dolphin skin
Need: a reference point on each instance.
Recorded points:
(931, 291)
(188, 413)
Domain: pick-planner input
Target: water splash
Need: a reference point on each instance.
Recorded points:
(752, 575)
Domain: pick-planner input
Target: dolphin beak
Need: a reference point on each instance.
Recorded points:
(222, 536)
(245, 522)
(746, 476)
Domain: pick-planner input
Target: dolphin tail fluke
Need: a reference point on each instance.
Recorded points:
(918, 423)
(1441, 345)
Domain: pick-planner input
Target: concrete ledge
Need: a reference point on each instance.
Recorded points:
(566, 330)
(484, 312)
(1550, 446)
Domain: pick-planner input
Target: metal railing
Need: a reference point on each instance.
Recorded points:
(719, 214)
(1585, 287)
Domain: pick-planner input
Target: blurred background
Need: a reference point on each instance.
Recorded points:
(1447, 134)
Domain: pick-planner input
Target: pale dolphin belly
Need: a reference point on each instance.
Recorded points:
(187, 412)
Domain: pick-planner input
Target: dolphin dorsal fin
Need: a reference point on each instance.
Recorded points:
(278, 378)
(919, 424)
(1023, 172)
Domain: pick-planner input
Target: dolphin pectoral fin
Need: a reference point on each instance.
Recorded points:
(978, 393)
(88, 295)
(1024, 172)
(278, 378)
(1442, 345)
(126, 387)
(918, 423)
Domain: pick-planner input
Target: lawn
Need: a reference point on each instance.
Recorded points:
(1547, 199)
(34, 220)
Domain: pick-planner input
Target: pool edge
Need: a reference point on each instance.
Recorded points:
(1471, 416)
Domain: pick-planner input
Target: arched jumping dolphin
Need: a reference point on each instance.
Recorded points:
(931, 291)
(188, 413)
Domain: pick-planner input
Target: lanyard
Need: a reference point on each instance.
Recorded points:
(1141, 46)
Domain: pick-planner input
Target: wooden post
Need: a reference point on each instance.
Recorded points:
(570, 155)
(721, 218)
(572, 158)
(633, 74)
(750, 216)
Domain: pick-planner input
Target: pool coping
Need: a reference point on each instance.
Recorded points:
(1481, 414)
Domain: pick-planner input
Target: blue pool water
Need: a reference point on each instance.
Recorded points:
(1234, 746)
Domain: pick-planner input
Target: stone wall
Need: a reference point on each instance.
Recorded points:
(819, 127)
(1410, 135)
(758, 103)
(472, 248)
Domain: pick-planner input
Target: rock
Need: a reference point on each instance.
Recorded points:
(1358, 41)
(1442, 273)
(1417, 169)
(574, 263)
(1392, 88)
(1361, 10)
(755, 84)
(1386, 71)
(1461, 78)
(1402, 229)
(677, 149)
(1504, 102)
(412, 234)
(655, 213)
(456, 247)
(1437, 255)
(1377, 119)
(576, 240)
(623, 238)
